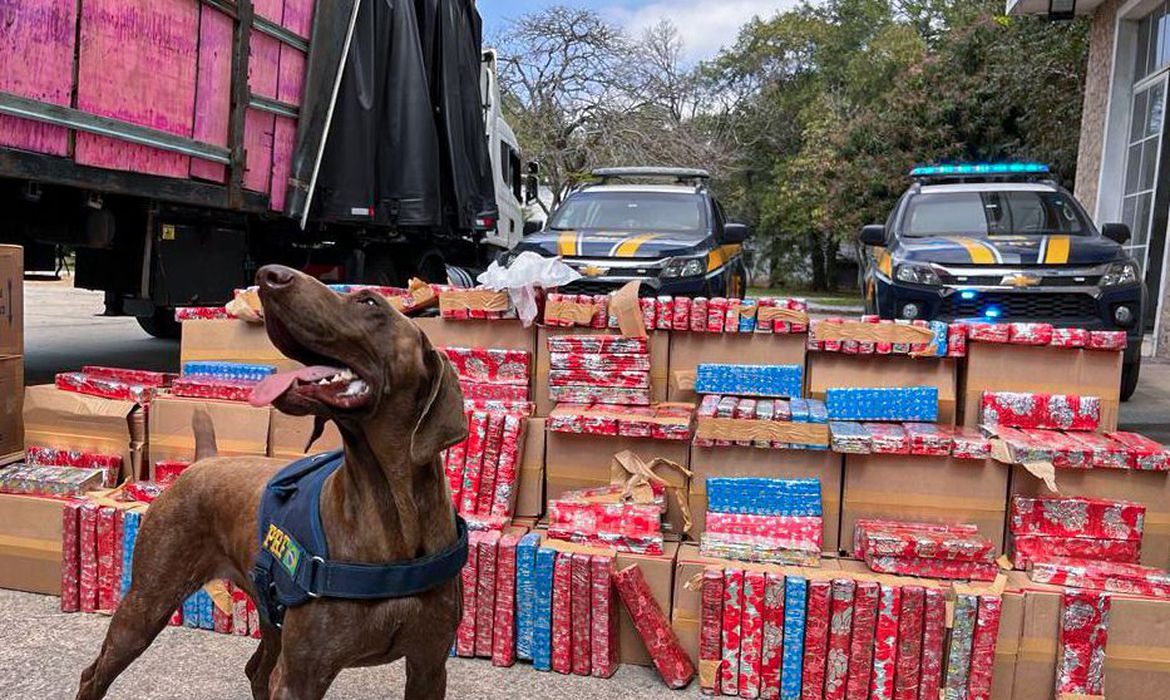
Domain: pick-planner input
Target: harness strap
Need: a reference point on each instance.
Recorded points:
(321, 578)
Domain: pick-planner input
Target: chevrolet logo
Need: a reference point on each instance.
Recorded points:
(1021, 280)
(593, 271)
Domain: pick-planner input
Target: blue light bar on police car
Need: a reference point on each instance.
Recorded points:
(980, 169)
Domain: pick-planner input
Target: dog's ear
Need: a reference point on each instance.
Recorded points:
(441, 423)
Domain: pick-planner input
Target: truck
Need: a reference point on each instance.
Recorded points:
(174, 146)
(1002, 242)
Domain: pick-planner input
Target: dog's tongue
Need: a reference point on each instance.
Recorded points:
(274, 386)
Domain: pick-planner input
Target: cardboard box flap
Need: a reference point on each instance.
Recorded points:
(573, 311)
(288, 436)
(55, 418)
(473, 299)
(231, 340)
(11, 300)
(895, 333)
(762, 430)
(625, 306)
(240, 429)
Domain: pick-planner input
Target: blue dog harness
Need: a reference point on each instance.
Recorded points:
(293, 566)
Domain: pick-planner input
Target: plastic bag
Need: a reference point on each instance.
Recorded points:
(528, 271)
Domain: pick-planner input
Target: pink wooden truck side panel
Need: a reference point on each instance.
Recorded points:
(137, 63)
(298, 17)
(213, 95)
(259, 127)
(36, 61)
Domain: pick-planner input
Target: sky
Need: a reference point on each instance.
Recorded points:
(705, 25)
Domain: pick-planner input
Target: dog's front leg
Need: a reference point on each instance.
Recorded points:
(259, 669)
(426, 677)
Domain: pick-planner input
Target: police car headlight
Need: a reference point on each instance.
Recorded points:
(917, 274)
(1120, 274)
(684, 267)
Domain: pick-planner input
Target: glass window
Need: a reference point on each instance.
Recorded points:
(631, 211)
(1153, 42)
(1142, 155)
(1028, 213)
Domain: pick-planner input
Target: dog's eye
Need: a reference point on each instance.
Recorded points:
(368, 301)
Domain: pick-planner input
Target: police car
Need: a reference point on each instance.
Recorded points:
(1002, 242)
(627, 224)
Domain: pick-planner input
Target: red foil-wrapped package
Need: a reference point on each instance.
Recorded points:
(1129, 579)
(1012, 409)
(865, 613)
(957, 340)
(731, 318)
(932, 568)
(840, 631)
(816, 639)
(711, 629)
(1032, 548)
(204, 387)
(491, 365)
(716, 314)
(105, 388)
(105, 558)
(111, 465)
(888, 438)
(507, 472)
(1141, 452)
(477, 430)
(664, 313)
(671, 660)
(1077, 517)
(119, 548)
(1067, 452)
(649, 313)
(732, 617)
(582, 602)
(983, 647)
(885, 644)
(202, 313)
(970, 443)
(1030, 333)
(607, 524)
(486, 391)
(485, 597)
(465, 633)
(780, 527)
(254, 630)
(70, 551)
(239, 619)
(1106, 452)
(629, 379)
(600, 362)
(167, 471)
(603, 638)
(562, 614)
(933, 635)
(680, 314)
(87, 538)
(616, 396)
(930, 439)
(864, 526)
(1069, 338)
(989, 332)
(772, 655)
(222, 620)
(491, 462)
(129, 376)
(1084, 631)
(600, 311)
(699, 314)
(751, 628)
(1106, 340)
(453, 459)
(908, 668)
(927, 540)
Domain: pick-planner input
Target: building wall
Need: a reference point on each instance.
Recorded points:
(1096, 105)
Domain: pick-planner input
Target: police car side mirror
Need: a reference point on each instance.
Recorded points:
(874, 234)
(1116, 232)
(736, 233)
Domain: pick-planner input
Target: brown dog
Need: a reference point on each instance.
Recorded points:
(397, 408)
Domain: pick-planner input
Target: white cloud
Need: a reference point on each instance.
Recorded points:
(705, 25)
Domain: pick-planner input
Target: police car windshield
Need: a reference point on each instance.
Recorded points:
(1010, 213)
(631, 211)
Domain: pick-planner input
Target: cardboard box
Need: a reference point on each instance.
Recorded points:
(11, 300)
(684, 617)
(530, 491)
(231, 340)
(507, 334)
(925, 489)
(1151, 489)
(575, 461)
(30, 543)
(289, 435)
(11, 405)
(240, 429)
(781, 464)
(659, 342)
(55, 418)
(689, 350)
(830, 369)
(659, 573)
(995, 367)
(1137, 655)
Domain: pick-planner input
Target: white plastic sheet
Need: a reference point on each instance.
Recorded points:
(521, 278)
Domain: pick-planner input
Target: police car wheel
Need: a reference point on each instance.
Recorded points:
(1130, 372)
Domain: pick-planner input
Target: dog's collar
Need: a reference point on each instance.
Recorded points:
(293, 565)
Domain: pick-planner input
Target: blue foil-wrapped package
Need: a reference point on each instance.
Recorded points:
(770, 381)
(206, 610)
(817, 411)
(791, 681)
(130, 523)
(759, 496)
(525, 593)
(191, 610)
(228, 370)
(941, 332)
(799, 410)
(850, 438)
(915, 403)
(542, 612)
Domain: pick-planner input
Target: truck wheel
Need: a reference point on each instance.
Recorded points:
(162, 324)
(1130, 372)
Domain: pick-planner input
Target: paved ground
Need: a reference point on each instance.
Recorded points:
(45, 651)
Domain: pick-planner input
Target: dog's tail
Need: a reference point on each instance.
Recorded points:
(204, 435)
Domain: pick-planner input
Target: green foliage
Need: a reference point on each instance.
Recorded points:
(833, 103)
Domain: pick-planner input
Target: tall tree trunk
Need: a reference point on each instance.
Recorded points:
(816, 254)
(832, 247)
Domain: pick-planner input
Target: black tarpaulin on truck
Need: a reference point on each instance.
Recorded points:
(406, 145)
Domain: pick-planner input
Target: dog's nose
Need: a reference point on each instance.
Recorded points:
(274, 276)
